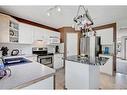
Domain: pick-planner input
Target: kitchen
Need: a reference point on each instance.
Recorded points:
(30, 42)
(48, 51)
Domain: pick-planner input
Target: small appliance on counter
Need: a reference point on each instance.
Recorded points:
(14, 52)
(4, 71)
(4, 51)
(56, 48)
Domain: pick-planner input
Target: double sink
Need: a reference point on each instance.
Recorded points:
(16, 61)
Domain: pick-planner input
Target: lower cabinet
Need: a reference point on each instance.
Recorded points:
(58, 61)
(81, 76)
(44, 84)
(107, 68)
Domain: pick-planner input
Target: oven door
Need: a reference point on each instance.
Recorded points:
(46, 60)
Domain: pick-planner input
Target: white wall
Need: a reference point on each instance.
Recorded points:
(121, 29)
(121, 32)
(26, 49)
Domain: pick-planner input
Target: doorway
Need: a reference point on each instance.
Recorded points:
(71, 44)
(106, 40)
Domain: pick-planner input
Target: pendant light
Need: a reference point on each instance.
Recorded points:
(83, 21)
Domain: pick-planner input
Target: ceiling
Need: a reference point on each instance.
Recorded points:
(100, 14)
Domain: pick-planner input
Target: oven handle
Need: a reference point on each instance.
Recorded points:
(45, 58)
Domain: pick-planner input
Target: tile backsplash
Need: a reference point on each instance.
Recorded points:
(23, 48)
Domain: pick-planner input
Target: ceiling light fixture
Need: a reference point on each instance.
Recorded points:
(48, 14)
(51, 10)
(83, 21)
(58, 9)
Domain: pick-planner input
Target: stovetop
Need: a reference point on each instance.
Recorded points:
(42, 53)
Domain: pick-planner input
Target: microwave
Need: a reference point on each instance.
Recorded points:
(54, 40)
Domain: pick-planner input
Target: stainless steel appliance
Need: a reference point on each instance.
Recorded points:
(43, 56)
(87, 43)
(54, 40)
(57, 49)
(90, 46)
(39, 49)
(45, 60)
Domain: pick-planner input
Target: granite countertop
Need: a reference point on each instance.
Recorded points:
(24, 75)
(106, 54)
(76, 58)
(58, 53)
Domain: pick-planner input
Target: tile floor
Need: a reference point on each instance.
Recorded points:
(107, 82)
(121, 66)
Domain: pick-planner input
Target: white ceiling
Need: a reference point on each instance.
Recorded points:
(100, 14)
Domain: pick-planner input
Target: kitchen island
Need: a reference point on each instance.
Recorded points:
(108, 67)
(31, 75)
(81, 74)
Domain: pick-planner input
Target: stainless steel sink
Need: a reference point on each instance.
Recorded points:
(15, 61)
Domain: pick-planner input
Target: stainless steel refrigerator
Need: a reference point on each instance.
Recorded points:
(90, 46)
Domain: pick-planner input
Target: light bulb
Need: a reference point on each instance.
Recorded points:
(58, 9)
(48, 14)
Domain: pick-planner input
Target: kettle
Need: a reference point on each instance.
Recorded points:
(14, 52)
(4, 71)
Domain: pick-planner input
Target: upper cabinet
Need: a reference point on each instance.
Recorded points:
(9, 29)
(48, 36)
(106, 36)
(25, 33)
(54, 37)
(38, 34)
(13, 31)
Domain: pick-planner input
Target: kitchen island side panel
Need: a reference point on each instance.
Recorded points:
(76, 75)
